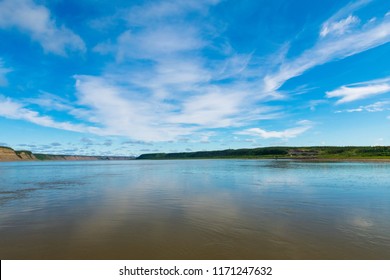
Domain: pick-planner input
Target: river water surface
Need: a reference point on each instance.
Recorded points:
(194, 209)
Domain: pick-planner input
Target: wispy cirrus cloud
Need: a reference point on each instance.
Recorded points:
(328, 48)
(120, 111)
(342, 20)
(293, 132)
(14, 110)
(339, 27)
(165, 41)
(153, 43)
(171, 89)
(169, 72)
(37, 21)
(358, 91)
(49, 101)
(379, 106)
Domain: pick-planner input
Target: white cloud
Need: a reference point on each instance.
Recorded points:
(346, 11)
(164, 46)
(158, 29)
(157, 41)
(159, 86)
(211, 110)
(372, 108)
(180, 87)
(338, 27)
(15, 110)
(359, 91)
(233, 66)
(314, 103)
(302, 127)
(165, 39)
(340, 22)
(50, 101)
(182, 74)
(123, 112)
(36, 21)
(330, 48)
(351, 110)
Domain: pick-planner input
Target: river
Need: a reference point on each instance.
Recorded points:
(194, 209)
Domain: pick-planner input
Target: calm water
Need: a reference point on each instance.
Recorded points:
(194, 209)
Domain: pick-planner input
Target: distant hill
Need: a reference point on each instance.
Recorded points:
(326, 152)
(9, 154)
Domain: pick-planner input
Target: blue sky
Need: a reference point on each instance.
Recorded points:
(130, 77)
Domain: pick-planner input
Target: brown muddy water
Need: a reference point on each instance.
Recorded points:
(194, 209)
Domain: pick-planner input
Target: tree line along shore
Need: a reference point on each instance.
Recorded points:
(330, 153)
(306, 153)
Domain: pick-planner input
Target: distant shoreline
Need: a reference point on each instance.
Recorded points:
(83, 159)
(345, 160)
(315, 154)
(8, 154)
(312, 160)
(304, 154)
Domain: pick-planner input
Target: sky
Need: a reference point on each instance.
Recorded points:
(94, 77)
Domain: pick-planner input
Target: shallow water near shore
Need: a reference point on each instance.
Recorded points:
(194, 209)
